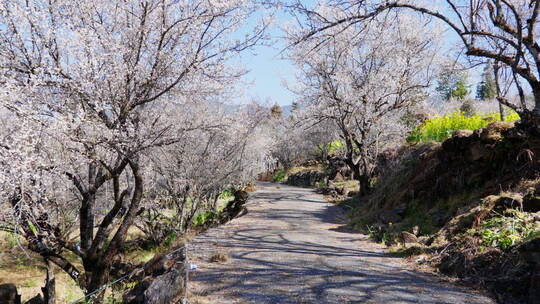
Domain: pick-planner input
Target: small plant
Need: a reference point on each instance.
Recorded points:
(320, 184)
(203, 218)
(379, 235)
(29, 284)
(219, 258)
(385, 238)
(279, 176)
(335, 146)
(169, 240)
(226, 195)
(507, 230)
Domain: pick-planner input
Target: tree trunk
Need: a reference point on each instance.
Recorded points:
(362, 178)
(49, 290)
(536, 111)
(365, 187)
(98, 275)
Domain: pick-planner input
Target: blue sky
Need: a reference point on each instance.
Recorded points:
(267, 68)
(267, 71)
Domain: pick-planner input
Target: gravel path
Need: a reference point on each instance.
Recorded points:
(290, 248)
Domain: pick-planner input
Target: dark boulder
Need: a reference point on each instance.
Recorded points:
(234, 208)
(9, 294)
(530, 251)
(36, 300)
(307, 178)
(160, 281)
(531, 201)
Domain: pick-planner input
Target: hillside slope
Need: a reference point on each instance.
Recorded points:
(469, 206)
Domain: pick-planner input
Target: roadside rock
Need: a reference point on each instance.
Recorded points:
(493, 132)
(306, 179)
(530, 252)
(234, 208)
(408, 238)
(161, 281)
(493, 204)
(463, 133)
(352, 193)
(9, 294)
(330, 191)
(534, 287)
(342, 191)
(36, 300)
(531, 201)
(338, 177)
(508, 201)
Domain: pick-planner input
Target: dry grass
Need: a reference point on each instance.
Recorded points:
(295, 170)
(524, 185)
(25, 269)
(219, 258)
(352, 185)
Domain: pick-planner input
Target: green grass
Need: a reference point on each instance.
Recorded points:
(507, 230)
(29, 284)
(226, 195)
(203, 217)
(335, 146)
(279, 176)
(441, 128)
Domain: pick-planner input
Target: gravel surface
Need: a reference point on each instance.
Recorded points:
(292, 248)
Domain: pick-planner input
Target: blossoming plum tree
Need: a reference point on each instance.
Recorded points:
(362, 77)
(87, 88)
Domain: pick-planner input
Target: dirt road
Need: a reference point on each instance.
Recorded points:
(291, 248)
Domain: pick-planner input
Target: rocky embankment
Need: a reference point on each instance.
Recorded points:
(470, 206)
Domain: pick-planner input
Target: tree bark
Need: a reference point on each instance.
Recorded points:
(99, 261)
(364, 184)
(49, 290)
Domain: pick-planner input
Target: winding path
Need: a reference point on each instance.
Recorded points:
(291, 248)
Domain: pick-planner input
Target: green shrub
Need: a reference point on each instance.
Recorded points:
(332, 147)
(226, 195)
(279, 176)
(169, 240)
(441, 128)
(508, 230)
(320, 184)
(203, 217)
(335, 146)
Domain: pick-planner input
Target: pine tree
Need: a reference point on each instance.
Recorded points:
(453, 84)
(486, 88)
(460, 90)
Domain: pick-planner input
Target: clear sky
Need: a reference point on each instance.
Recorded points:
(267, 69)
